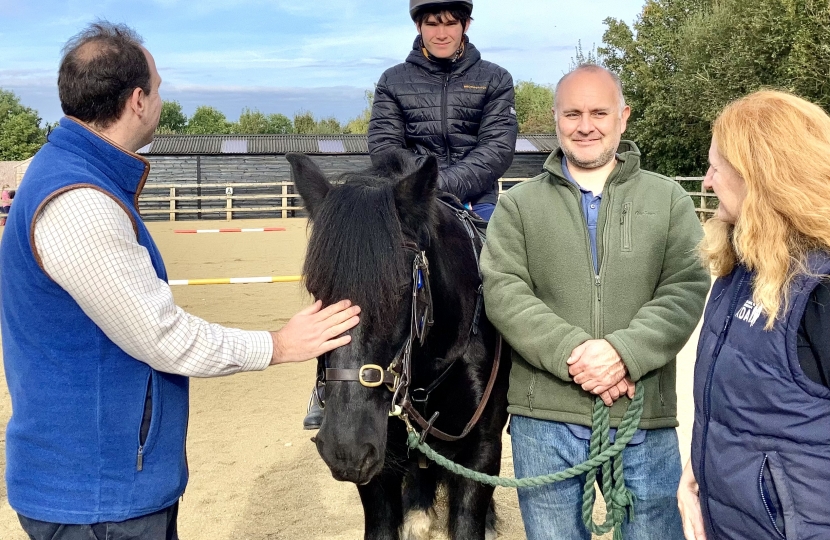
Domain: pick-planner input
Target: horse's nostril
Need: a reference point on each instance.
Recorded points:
(370, 458)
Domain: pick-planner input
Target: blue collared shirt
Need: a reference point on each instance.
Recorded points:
(590, 209)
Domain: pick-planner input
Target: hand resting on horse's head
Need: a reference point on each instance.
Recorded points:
(314, 331)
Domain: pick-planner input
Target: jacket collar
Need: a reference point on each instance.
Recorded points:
(628, 163)
(470, 57)
(125, 169)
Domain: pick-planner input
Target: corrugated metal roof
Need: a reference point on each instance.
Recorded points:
(234, 146)
(331, 146)
(545, 143)
(186, 144)
(356, 144)
(524, 145)
(307, 144)
(282, 144)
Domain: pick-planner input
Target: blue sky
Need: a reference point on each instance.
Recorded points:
(283, 56)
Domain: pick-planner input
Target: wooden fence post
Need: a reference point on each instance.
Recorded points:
(172, 204)
(284, 203)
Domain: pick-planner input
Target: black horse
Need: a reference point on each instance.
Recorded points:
(384, 239)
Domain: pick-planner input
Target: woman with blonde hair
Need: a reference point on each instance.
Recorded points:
(760, 464)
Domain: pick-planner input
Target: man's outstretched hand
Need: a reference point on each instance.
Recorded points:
(314, 331)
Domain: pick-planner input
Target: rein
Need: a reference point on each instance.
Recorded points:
(397, 377)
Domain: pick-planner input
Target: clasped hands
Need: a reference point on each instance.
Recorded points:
(597, 368)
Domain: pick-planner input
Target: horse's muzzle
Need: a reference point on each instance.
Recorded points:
(350, 463)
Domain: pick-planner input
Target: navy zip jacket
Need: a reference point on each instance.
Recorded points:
(761, 440)
(462, 112)
(75, 451)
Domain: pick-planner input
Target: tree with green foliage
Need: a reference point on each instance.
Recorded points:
(172, 120)
(253, 122)
(682, 61)
(582, 58)
(534, 102)
(809, 61)
(207, 120)
(328, 126)
(533, 107)
(305, 123)
(20, 132)
(279, 124)
(360, 124)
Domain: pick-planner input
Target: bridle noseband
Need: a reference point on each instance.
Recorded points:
(397, 377)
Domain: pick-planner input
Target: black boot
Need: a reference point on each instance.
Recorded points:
(314, 416)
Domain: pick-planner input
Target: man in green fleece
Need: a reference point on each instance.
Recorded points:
(591, 274)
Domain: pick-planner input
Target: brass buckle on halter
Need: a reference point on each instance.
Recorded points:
(366, 383)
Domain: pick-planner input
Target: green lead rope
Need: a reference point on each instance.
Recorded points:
(604, 455)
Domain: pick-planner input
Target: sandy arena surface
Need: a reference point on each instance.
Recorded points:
(254, 474)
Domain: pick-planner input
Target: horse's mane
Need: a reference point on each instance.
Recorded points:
(355, 248)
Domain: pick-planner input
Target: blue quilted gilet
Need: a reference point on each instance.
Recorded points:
(761, 443)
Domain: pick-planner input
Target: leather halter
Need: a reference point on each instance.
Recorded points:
(397, 376)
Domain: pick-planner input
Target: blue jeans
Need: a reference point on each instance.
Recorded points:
(652, 473)
(484, 210)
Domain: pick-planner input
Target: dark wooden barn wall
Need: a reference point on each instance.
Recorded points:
(213, 172)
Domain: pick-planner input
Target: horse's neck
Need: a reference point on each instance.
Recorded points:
(455, 249)
(454, 282)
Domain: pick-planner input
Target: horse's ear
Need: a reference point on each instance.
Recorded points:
(310, 181)
(415, 192)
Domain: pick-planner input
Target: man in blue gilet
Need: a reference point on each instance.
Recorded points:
(97, 355)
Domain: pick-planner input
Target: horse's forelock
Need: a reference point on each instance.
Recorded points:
(355, 249)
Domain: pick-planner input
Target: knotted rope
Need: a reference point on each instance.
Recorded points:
(603, 454)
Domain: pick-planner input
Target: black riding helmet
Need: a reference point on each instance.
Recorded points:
(415, 5)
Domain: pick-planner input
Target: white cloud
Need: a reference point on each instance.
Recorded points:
(317, 8)
(32, 77)
(249, 50)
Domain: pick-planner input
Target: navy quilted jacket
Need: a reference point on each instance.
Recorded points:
(462, 112)
(761, 435)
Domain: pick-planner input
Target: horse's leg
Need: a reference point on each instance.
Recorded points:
(382, 512)
(469, 508)
(418, 498)
(472, 516)
(490, 526)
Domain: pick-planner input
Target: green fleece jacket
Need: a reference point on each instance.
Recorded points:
(542, 294)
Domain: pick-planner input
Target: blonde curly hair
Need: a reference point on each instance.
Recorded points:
(780, 145)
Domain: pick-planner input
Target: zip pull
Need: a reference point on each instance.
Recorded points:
(622, 217)
(598, 284)
(139, 463)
